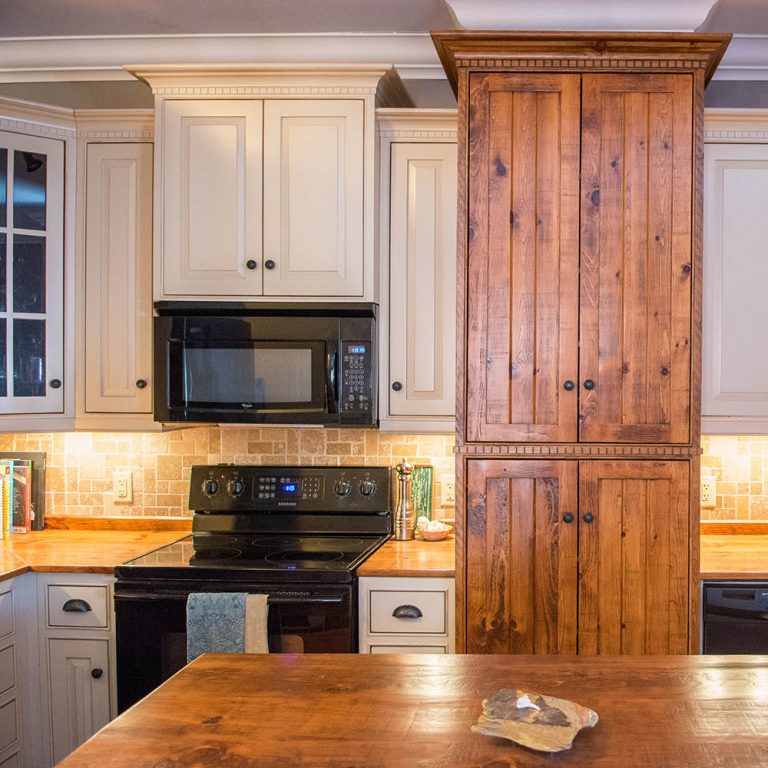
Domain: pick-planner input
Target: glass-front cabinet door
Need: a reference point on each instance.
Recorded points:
(31, 274)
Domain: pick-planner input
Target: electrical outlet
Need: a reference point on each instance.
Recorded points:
(122, 487)
(448, 490)
(708, 491)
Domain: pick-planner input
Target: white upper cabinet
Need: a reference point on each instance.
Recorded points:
(313, 206)
(115, 332)
(32, 331)
(211, 193)
(735, 370)
(418, 246)
(265, 181)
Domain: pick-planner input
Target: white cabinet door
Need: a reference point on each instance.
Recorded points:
(313, 201)
(118, 282)
(735, 368)
(79, 688)
(422, 280)
(211, 197)
(31, 274)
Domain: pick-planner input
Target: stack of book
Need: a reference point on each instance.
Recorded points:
(18, 511)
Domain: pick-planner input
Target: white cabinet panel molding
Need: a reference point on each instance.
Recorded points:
(418, 249)
(313, 210)
(735, 370)
(211, 197)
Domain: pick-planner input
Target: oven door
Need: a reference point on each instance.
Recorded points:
(152, 639)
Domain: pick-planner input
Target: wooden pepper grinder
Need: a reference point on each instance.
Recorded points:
(405, 517)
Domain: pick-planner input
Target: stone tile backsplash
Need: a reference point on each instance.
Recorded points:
(81, 464)
(740, 466)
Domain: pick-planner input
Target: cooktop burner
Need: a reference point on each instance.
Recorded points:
(318, 524)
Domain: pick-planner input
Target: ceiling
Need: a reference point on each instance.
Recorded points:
(86, 41)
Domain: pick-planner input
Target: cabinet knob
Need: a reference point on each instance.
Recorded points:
(55, 383)
(141, 383)
(407, 612)
(96, 673)
(75, 605)
(588, 517)
(251, 264)
(397, 386)
(269, 264)
(567, 517)
(569, 386)
(589, 384)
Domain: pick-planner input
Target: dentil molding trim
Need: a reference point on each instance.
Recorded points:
(742, 125)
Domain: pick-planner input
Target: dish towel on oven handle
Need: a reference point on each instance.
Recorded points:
(226, 622)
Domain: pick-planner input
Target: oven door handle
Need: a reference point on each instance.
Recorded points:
(271, 599)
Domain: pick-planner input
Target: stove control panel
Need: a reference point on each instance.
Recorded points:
(228, 488)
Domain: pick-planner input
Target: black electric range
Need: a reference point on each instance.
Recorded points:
(296, 534)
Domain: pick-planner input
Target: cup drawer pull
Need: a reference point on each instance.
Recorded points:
(407, 612)
(75, 605)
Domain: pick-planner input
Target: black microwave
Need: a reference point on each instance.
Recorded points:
(248, 363)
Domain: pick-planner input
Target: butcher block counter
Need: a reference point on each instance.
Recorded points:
(409, 710)
(412, 558)
(734, 557)
(77, 550)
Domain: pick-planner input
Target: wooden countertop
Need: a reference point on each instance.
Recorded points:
(412, 558)
(77, 550)
(393, 711)
(734, 557)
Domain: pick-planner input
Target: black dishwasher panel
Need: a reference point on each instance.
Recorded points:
(735, 617)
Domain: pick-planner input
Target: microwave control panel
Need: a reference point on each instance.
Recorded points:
(356, 378)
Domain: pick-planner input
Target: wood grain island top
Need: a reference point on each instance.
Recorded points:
(412, 558)
(393, 711)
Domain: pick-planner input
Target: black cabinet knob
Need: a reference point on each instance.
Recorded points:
(141, 383)
(251, 264)
(269, 264)
(407, 612)
(567, 517)
(96, 673)
(397, 386)
(589, 384)
(55, 383)
(588, 517)
(568, 386)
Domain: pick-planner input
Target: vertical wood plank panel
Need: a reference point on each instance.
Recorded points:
(633, 545)
(522, 567)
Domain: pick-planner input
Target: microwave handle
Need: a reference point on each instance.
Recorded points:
(331, 383)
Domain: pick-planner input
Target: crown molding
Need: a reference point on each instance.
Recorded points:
(42, 59)
(42, 119)
(428, 124)
(742, 125)
(115, 124)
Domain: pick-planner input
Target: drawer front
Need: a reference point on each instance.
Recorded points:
(9, 729)
(384, 604)
(408, 649)
(78, 606)
(7, 669)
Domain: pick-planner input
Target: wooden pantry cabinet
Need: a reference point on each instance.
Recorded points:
(579, 338)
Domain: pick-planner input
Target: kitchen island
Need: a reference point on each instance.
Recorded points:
(407, 710)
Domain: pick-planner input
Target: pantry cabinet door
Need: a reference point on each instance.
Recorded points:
(523, 250)
(633, 557)
(211, 197)
(521, 539)
(118, 268)
(313, 206)
(636, 258)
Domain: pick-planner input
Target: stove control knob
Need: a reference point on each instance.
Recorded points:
(235, 487)
(210, 487)
(342, 487)
(367, 487)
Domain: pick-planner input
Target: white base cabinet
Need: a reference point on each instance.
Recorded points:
(406, 615)
(77, 665)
